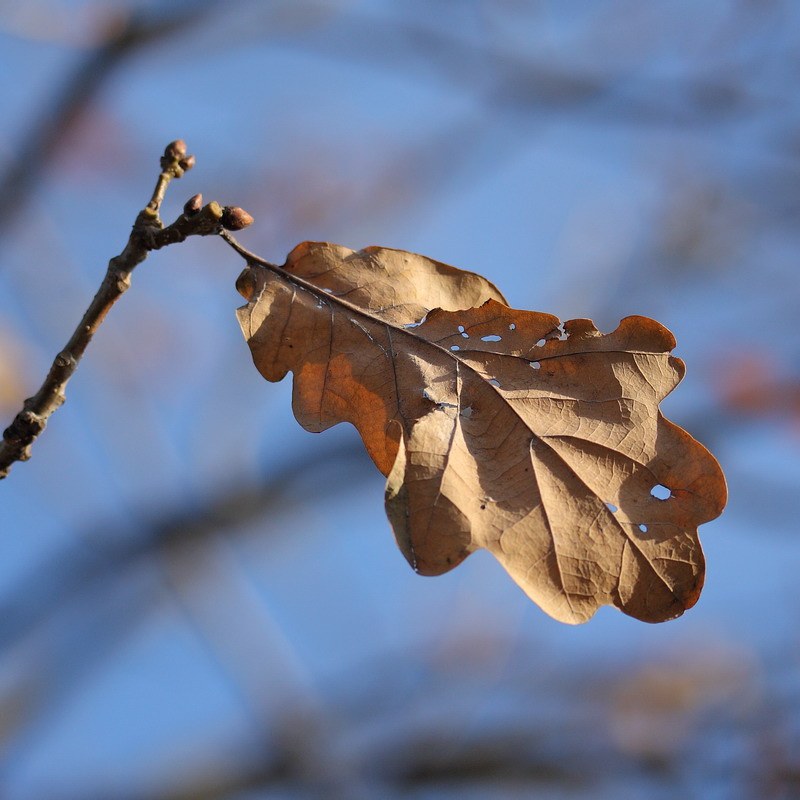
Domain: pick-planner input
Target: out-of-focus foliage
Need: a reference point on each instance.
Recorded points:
(179, 615)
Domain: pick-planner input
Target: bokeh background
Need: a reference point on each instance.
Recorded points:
(198, 599)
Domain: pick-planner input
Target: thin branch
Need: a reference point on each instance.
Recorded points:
(148, 234)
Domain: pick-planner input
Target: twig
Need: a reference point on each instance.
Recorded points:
(148, 234)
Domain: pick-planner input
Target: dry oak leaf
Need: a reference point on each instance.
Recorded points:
(496, 428)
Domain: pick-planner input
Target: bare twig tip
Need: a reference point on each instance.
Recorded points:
(175, 161)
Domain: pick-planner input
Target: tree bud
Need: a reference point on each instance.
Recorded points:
(176, 149)
(235, 218)
(193, 205)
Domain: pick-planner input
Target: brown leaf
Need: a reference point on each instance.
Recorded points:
(495, 427)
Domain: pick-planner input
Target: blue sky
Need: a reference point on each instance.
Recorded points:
(666, 188)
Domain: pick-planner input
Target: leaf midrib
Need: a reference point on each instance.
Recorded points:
(320, 294)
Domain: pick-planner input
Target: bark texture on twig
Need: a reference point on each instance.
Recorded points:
(148, 234)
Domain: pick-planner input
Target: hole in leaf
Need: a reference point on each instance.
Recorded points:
(661, 492)
(611, 507)
(536, 365)
(491, 338)
(540, 343)
(454, 347)
(483, 506)
(416, 324)
(329, 291)
(512, 327)
(494, 382)
(643, 528)
(466, 412)
(463, 332)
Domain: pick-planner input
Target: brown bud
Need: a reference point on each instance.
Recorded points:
(193, 205)
(186, 163)
(176, 149)
(235, 218)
